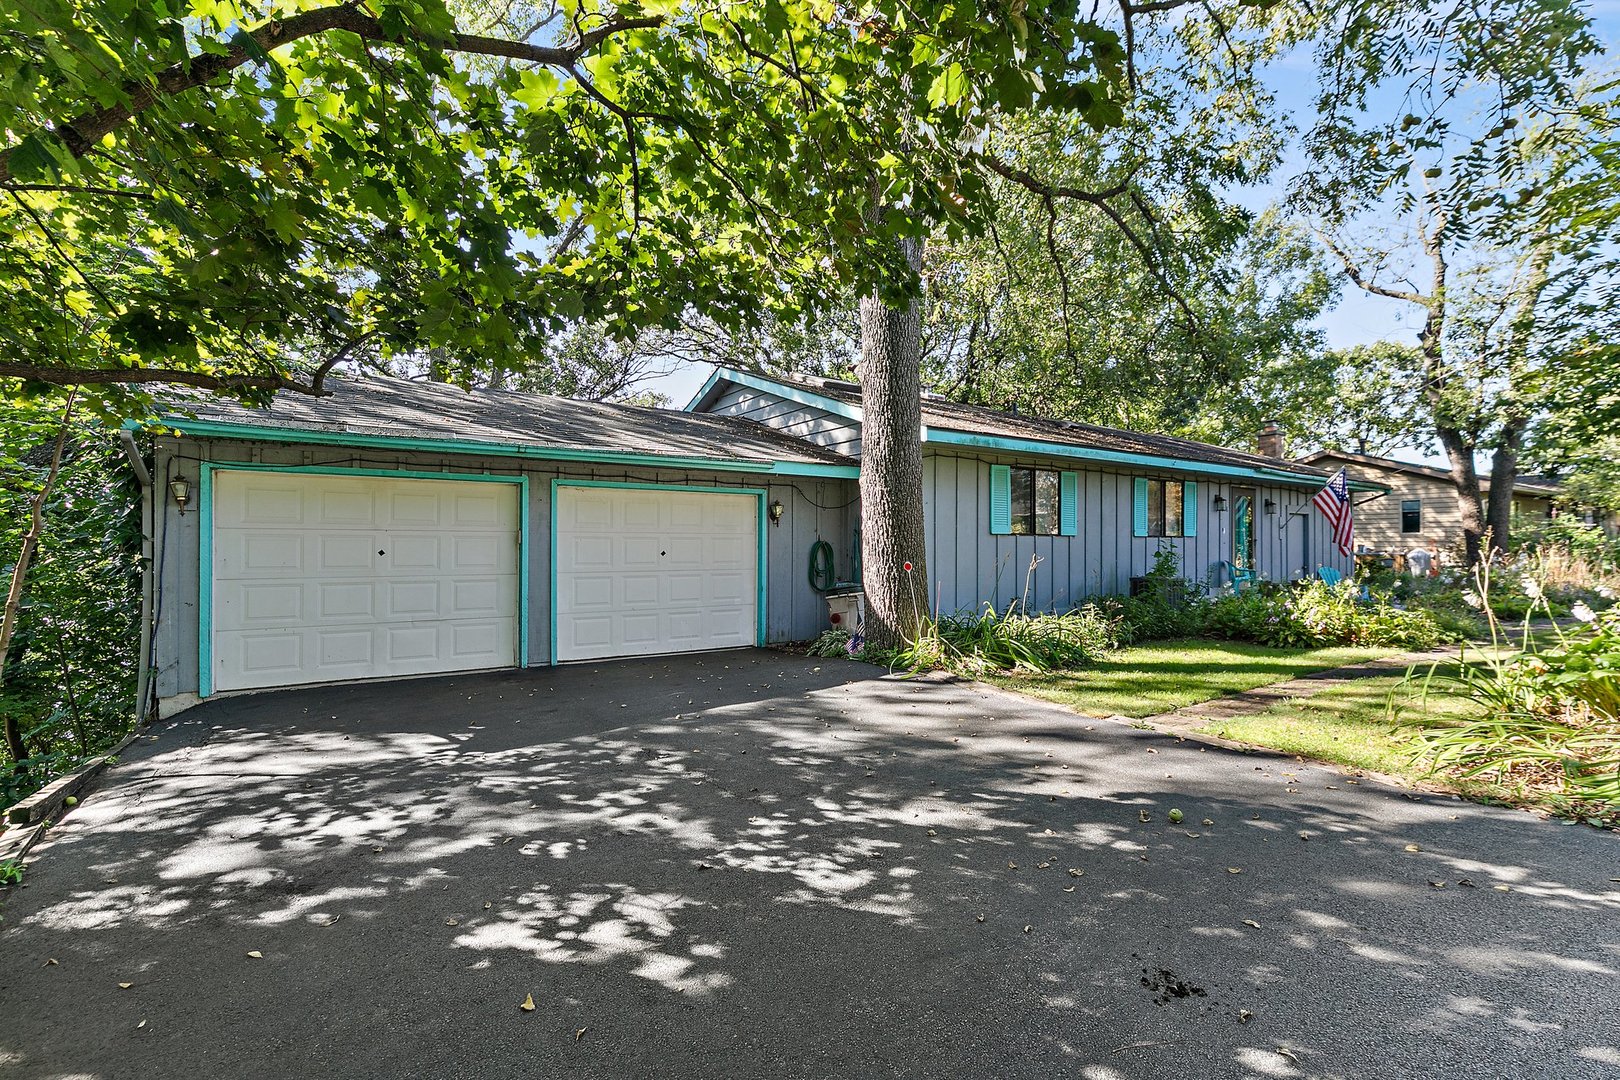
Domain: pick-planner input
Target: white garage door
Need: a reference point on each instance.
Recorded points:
(641, 571)
(320, 578)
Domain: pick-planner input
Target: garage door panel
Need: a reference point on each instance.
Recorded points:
(273, 603)
(346, 648)
(302, 595)
(639, 572)
(410, 599)
(343, 551)
(263, 551)
(413, 551)
(344, 600)
(410, 508)
(349, 507)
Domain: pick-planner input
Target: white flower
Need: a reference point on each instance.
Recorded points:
(1471, 598)
(1532, 588)
(1606, 592)
(1582, 612)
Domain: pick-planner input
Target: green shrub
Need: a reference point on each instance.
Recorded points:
(1317, 614)
(979, 643)
(834, 642)
(1546, 723)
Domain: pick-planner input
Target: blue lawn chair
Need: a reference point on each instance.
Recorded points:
(1242, 579)
(1330, 575)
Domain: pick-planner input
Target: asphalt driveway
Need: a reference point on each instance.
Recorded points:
(752, 864)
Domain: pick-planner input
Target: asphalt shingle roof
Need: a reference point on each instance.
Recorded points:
(952, 416)
(427, 410)
(1526, 482)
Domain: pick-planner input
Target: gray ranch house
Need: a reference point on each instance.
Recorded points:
(399, 528)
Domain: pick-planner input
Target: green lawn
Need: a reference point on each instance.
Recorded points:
(1350, 725)
(1155, 678)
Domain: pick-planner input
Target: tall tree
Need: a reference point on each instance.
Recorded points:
(1443, 133)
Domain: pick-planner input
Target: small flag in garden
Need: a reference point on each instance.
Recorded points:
(1334, 502)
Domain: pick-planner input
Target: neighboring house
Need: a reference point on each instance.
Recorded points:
(1421, 507)
(401, 528)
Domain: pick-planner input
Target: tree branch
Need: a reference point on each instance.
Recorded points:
(67, 375)
(84, 131)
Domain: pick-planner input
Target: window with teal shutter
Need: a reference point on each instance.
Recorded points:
(1139, 524)
(1189, 508)
(1000, 499)
(1069, 513)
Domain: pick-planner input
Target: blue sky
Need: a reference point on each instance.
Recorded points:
(1357, 318)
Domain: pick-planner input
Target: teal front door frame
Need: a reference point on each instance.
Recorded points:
(760, 496)
(205, 545)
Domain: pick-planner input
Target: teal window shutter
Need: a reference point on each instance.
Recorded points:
(1139, 526)
(1000, 499)
(1189, 508)
(1068, 504)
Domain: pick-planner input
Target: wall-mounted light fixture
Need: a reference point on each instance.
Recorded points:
(180, 491)
(1271, 506)
(775, 511)
(1220, 503)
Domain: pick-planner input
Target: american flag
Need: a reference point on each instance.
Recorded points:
(1334, 502)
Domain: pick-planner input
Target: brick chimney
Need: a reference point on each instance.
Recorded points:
(1270, 442)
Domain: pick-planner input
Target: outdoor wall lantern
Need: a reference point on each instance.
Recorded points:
(1271, 506)
(775, 511)
(180, 491)
(1220, 503)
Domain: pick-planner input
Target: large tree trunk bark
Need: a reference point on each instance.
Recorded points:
(1465, 477)
(19, 576)
(891, 481)
(1504, 472)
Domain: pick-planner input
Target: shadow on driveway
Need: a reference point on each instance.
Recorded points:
(754, 864)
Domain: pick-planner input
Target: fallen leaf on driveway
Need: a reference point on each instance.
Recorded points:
(451, 922)
(1251, 922)
(1076, 873)
(125, 986)
(1244, 1016)
(1027, 929)
(50, 963)
(580, 1034)
(1207, 822)
(528, 1003)
(1069, 889)
(1413, 847)
(981, 918)
(256, 954)
(1438, 884)
(140, 1025)
(1143, 815)
(1234, 869)
(1501, 888)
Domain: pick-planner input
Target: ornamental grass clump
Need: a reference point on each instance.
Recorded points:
(1543, 720)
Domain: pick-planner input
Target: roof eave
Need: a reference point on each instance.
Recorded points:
(949, 437)
(223, 429)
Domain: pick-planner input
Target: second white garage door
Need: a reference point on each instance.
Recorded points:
(643, 571)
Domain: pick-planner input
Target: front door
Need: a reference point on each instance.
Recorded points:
(1243, 529)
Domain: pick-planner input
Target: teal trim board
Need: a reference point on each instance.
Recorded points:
(205, 545)
(760, 572)
(771, 386)
(269, 433)
(937, 436)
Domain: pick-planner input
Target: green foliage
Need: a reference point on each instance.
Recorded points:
(834, 642)
(70, 676)
(311, 180)
(1317, 614)
(11, 872)
(1167, 607)
(1545, 721)
(992, 641)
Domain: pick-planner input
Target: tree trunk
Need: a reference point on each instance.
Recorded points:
(19, 575)
(891, 480)
(1504, 472)
(1465, 477)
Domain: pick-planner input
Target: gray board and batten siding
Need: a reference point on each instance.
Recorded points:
(815, 508)
(824, 429)
(969, 567)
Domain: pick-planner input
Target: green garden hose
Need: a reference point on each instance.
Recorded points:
(822, 577)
